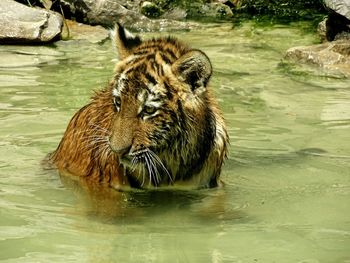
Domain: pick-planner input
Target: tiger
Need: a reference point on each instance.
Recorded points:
(155, 125)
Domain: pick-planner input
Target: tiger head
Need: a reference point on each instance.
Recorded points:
(164, 115)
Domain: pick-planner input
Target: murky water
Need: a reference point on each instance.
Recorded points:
(287, 194)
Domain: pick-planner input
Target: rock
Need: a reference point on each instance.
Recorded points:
(344, 35)
(338, 33)
(93, 34)
(338, 20)
(284, 10)
(150, 9)
(133, 5)
(223, 10)
(232, 4)
(335, 25)
(209, 10)
(175, 13)
(107, 13)
(214, 10)
(321, 29)
(145, 24)
(333, 57)
(341, 7)
(22, 24)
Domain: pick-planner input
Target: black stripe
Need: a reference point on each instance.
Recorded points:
(150, 78)
(171, 53)
(169, 91)
(165, 58)
(134, 183)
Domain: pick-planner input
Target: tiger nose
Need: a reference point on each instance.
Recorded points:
(122, 151)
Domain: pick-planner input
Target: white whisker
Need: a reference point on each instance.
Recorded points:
(154, 166)
(149, 169)
(143, 175)
(159, 161)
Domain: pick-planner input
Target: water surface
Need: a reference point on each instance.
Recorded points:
(287, 194)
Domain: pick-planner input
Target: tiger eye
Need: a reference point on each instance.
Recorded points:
(149, 110)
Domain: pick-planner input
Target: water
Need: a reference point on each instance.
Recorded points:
(287, 194)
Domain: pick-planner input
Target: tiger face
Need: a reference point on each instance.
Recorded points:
(161, 102)
(145, 114)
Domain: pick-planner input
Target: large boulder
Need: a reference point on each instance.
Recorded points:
(338, 21)
(333, 57)
(107, 13)
(342, 7)
(23, 24)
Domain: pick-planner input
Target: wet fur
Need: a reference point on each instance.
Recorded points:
(183, 145)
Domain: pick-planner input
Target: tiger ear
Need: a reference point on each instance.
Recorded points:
(124, 41)
(194, 68)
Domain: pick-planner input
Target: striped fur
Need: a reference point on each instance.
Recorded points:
(155, 125)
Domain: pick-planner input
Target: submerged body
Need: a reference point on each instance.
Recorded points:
(156, 124)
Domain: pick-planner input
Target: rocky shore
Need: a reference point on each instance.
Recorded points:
(21, 23)
(333, 55)
(43, 20)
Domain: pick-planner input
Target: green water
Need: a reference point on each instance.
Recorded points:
(287, 194)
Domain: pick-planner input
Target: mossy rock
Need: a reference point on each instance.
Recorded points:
(282, 9)
(151, 10)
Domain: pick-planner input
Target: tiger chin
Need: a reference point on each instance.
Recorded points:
(155, 125)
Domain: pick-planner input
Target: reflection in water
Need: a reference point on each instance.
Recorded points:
(287, 189)
(104, 203)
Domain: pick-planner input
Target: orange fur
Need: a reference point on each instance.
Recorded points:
(155, 124)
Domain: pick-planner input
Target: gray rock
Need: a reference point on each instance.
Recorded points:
(133, 5)
(215, 10)
(107, 13)
(341, 7)
(176, 13)
(322, 29)
(223, 11)
(343, 36)
(22, 24)
(338, 20)
(150, 9)
(333, 57)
